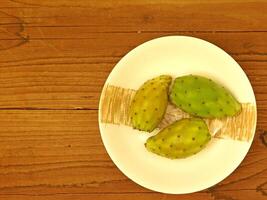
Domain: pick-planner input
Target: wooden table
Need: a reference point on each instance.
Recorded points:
(54, 58)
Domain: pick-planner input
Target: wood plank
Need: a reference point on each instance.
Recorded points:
(128, 196)
(36, 42)
(240, 195)
(96, 3)
(114, 46)
(56, 86)
(128, 16)
(107, 36)
(76, 83)
(59, 154)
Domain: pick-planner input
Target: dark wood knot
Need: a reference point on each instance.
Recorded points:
(263, 138)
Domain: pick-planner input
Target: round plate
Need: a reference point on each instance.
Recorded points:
(177, 56)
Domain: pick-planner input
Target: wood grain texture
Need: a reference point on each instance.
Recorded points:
(55, 56)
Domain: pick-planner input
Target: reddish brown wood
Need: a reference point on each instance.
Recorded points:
(55, 56)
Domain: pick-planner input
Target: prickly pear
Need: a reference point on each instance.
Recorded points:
(149, 103)
(202, 97)
(181, 139)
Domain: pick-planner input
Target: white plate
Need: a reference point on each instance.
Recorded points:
(176, 55)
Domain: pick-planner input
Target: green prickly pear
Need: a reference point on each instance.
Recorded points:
(149, 103)
(181, 139)
(202, 97)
